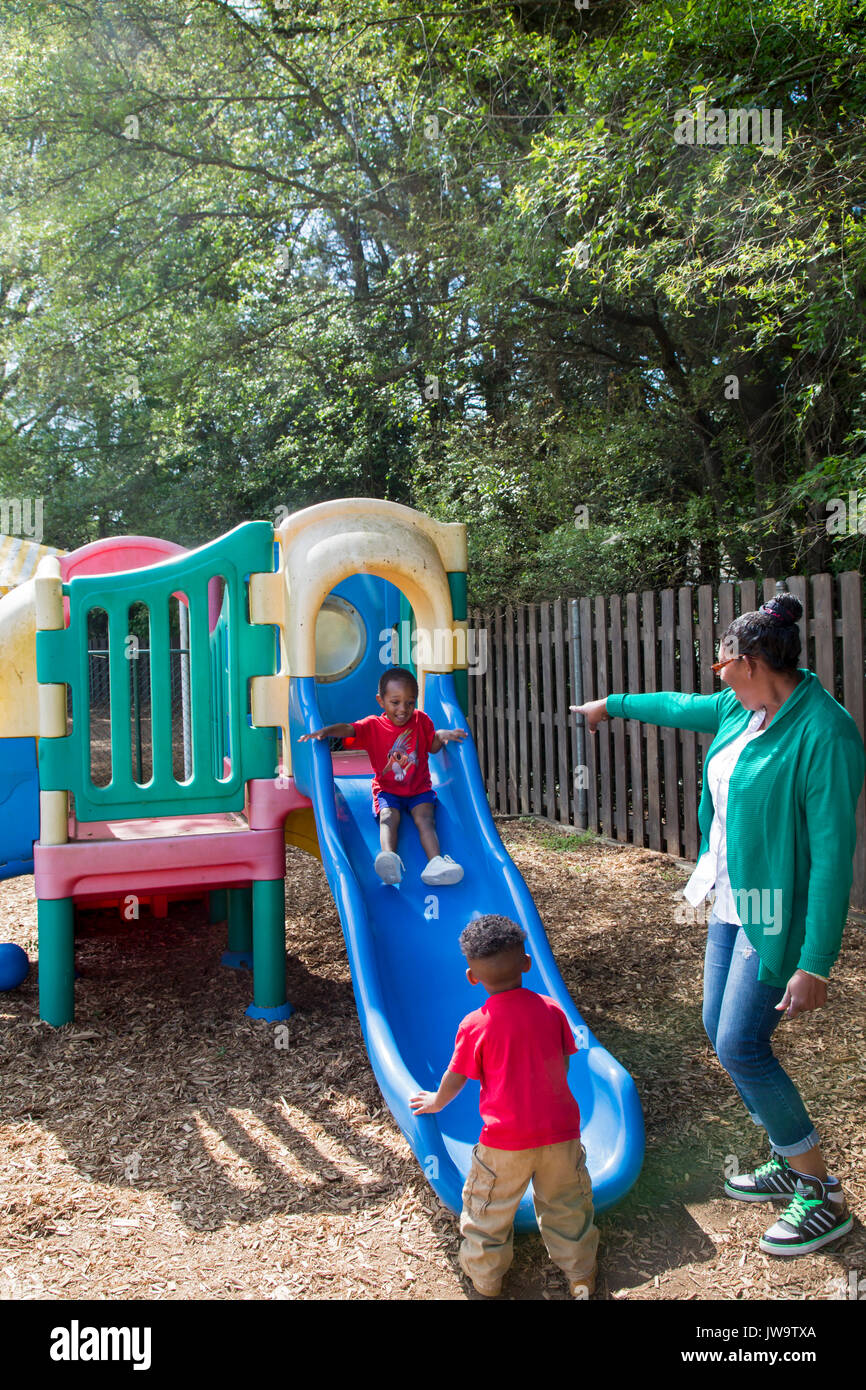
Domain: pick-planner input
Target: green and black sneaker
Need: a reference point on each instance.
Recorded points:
(817, 1215)
(774, 1181)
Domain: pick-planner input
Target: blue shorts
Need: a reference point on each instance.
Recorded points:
(402, 803)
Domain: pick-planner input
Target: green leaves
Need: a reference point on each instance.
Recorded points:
(534, 301)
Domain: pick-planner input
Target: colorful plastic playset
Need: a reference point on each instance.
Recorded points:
(280, 632)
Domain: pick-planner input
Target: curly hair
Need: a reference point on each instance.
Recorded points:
(491, 936)
(400, 677)
(771, 633)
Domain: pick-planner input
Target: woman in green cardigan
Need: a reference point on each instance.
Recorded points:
(777, 817)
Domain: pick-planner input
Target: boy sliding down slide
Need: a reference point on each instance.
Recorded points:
(517, 1045)
(398, 742)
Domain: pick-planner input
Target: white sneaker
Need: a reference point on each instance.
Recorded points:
(389, 866)
(442, 870)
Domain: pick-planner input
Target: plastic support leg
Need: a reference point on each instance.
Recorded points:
(269, 951)
(217, 908)
(239, 955)
(56, 961)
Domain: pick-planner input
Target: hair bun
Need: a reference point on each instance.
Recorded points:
(785, 608)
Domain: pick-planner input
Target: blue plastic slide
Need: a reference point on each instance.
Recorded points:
(409, 973)
(19, 805)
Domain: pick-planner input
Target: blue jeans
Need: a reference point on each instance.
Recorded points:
(740, 1016)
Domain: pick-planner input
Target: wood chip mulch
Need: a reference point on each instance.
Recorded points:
(166, 1146)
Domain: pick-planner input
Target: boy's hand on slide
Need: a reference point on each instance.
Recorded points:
(594, 712)
(318, 733)
(424, 1103)
(450, 735)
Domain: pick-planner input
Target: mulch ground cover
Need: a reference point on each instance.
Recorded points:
(165, 1146)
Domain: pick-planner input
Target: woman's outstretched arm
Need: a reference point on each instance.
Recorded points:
(700, 713)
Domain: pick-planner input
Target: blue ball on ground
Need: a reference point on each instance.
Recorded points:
(14, 965)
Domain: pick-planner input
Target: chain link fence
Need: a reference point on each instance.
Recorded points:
(140, 724)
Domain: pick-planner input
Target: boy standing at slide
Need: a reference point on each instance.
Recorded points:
(517, 1045)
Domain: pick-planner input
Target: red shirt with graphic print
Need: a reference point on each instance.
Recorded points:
(398, 753)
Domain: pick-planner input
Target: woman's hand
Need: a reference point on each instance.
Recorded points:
(804, 993)
(594, 712)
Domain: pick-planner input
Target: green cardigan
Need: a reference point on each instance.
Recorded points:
(791, 828)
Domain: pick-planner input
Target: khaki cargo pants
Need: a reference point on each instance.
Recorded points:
(562, 1198)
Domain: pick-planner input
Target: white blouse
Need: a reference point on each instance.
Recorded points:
(712, 867)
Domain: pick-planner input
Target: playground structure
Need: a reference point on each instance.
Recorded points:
(282, 631)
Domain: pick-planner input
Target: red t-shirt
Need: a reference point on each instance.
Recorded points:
(398, 752)
(514, 1045)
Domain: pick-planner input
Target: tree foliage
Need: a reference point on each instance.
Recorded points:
(259, 255)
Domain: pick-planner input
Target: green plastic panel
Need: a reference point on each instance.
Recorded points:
(219, 659)
(219, 691)
(405, 635)
(457, 585)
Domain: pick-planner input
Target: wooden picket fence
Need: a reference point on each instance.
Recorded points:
(635, 782)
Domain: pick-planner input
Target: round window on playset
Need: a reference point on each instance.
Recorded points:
(341, 639)
(140, 692)
(99, 697)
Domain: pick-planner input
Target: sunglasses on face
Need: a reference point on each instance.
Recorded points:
(720, 665)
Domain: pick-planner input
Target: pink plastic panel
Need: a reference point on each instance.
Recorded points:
(268, 804)
(117, 866)
(350, 762)
(116, 554)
